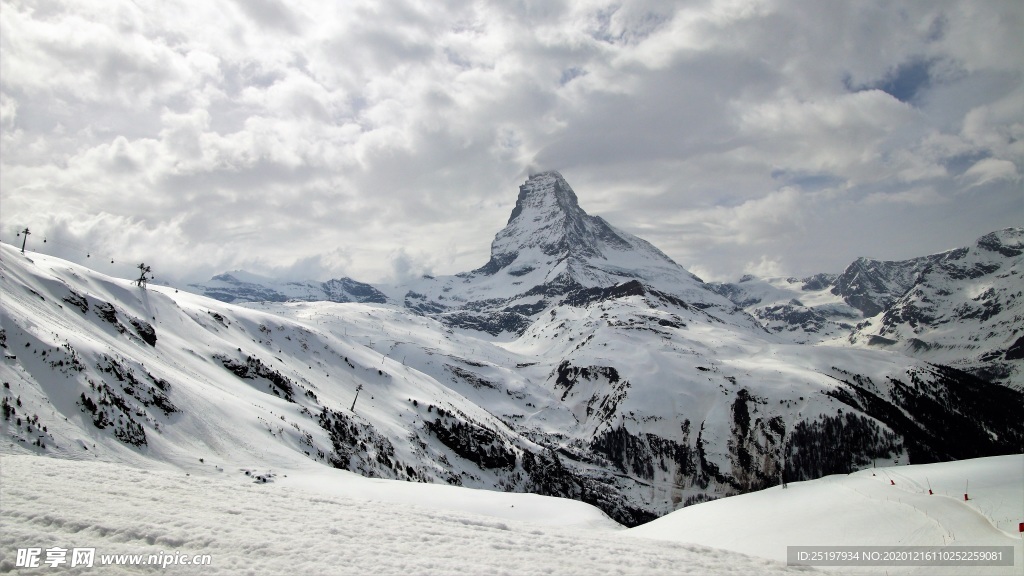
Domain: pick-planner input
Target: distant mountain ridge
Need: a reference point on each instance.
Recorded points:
(962, 307)
(245, 287)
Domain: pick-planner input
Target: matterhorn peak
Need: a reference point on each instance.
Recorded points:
(550, 240)
(546, 226)
(546, 192)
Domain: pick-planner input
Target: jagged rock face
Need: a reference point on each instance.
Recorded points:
(548, 217)
(1008, 242)
(349, 290)
(818, 282)
(871, 285)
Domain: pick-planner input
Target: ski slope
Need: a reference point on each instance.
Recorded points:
(322, 522)
(316, 520)
(880, 507)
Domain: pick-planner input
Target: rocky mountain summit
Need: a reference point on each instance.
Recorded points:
(552, 252)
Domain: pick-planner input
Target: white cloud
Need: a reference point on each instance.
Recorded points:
(846, 135)
(923, 196)
(765, 267)
(281, 131)
(991, 169)
(8, 111)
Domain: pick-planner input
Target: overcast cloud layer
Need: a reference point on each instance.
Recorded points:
(384, 139)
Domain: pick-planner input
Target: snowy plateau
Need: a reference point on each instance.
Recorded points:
(578, 404)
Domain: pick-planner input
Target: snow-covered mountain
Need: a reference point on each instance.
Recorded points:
(963, 307)
(550, 245)
(240, 286)
(553, 369)
(801, 310)
(550, 252)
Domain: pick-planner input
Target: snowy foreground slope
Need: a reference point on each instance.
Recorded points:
(875, 507)
(326, 522)
(314, 520)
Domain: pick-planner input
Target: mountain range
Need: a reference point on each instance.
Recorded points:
(579, 361)
(961, 308)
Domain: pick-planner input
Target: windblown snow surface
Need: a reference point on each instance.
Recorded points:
(316, 520)
(324, 522)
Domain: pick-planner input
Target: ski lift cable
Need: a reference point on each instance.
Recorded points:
(72, 246)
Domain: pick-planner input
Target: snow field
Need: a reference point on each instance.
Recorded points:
(866, 509)
(284, 527)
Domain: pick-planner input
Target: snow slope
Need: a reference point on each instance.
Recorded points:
(337, 524)
(888, 506)
(314, 520)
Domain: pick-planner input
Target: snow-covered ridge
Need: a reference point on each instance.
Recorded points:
(241, 286)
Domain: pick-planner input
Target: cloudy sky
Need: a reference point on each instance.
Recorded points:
(314, 139)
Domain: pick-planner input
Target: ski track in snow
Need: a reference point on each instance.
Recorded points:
(251, 528)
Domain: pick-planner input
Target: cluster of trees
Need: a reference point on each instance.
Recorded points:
(474, 443)
(837, 444)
